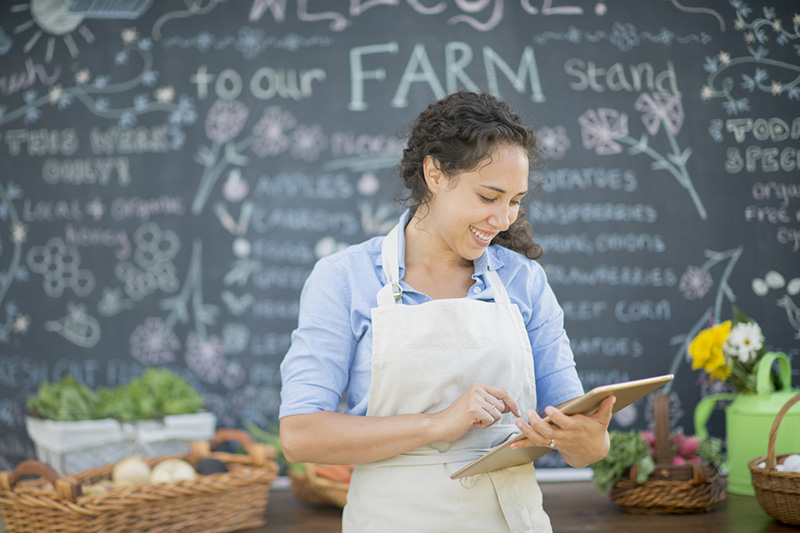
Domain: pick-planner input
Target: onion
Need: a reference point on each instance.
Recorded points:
(172, 470)
(130, 471)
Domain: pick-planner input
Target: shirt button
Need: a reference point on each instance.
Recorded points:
(476, 290)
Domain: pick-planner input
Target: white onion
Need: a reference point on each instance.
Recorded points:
(172, 470)
(130, 471)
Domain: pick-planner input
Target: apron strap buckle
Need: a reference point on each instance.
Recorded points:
(397, 291)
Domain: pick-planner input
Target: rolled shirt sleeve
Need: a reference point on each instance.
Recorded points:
(315, 369)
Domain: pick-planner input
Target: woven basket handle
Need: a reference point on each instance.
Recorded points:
(260, 453)
(662, 427)
(65, 489)
(773, 432)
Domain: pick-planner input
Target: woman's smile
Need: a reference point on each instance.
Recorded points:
(483, 238)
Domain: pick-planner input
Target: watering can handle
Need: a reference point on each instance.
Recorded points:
(764, 371)
(703, 412)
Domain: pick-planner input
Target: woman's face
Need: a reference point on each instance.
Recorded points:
(467, 212)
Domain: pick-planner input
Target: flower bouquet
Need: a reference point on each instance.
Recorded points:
(730, 352)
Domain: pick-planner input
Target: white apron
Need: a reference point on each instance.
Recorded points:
(423, 358)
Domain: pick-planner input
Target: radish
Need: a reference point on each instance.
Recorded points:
(677, 460)
(688, 447)
(649, 437)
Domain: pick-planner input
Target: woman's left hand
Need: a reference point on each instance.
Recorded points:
(581, 440)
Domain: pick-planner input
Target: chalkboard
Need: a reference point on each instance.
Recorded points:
(170, 172)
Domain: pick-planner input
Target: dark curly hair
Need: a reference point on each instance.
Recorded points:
(459, 131)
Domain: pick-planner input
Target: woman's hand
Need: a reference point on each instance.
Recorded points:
(581, 440)
(479, 406)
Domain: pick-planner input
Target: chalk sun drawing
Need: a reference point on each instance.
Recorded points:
(53, 18)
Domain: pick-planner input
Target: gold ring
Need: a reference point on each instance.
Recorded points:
(552, 443)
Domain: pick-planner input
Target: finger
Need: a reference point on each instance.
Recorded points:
(508, 402)
(558, 418)
(604, 413)
(538, 431)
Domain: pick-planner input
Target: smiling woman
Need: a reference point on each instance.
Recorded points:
(454, 282)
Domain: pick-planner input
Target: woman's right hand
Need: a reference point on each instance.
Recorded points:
(479, 406)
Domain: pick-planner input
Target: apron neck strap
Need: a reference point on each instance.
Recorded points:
(391, 293)
(499, 291)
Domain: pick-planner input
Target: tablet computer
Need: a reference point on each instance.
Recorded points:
(503, 456)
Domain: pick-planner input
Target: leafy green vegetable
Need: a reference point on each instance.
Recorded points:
(627, 450)
(157, 393)
(710, 450)
(65, 400)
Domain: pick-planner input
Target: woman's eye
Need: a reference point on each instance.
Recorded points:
(515, 202)
(485, 199)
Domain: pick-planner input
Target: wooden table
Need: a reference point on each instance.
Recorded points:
(573, 507)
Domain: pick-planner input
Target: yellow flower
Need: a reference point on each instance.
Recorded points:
(706, 348)
(721, 373)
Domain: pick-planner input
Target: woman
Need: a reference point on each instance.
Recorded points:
(446, 335)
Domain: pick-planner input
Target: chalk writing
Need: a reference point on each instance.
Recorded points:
(612, 276)
(564, 214)
(419, 69)
(606, 347)
(603, 243)
(619, 77)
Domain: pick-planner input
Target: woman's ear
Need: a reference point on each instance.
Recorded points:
(434, 177)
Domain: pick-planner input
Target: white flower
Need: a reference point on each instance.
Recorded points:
(744, 340)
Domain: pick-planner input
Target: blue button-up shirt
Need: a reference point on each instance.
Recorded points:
(331, 350)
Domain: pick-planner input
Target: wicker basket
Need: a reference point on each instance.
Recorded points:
(317, 490)
(778, 493)
(216, 503)
(690, 488)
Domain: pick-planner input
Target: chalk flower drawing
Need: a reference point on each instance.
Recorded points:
(658, 109)
(602, 128)
(225, 120)
(554, 141)
(205, 356)
(713, 313)
(768, 76)
(58, 264)
(152, 268)
(270, 131)
(606, 130)
(309, 141)
(695, 283)
(151, 344)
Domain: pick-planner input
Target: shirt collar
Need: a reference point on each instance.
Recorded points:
(489, 260)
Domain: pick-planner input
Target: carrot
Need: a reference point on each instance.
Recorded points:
(340, 473)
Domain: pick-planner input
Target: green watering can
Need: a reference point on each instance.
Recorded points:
(748, 420)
